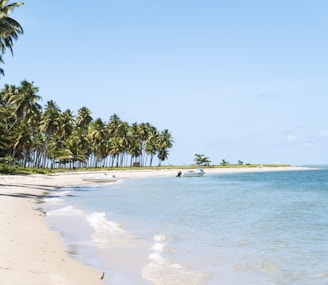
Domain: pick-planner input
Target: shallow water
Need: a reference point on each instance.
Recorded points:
(248, 228)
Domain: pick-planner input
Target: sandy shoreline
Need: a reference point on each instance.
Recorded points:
(30, 252)
(33, 254)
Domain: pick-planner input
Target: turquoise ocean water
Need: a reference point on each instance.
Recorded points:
(221, 229)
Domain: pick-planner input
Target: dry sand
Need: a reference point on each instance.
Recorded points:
(31, 253)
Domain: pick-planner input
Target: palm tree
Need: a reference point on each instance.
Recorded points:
(98, 134)
(7, 119)
(151, 143)
(66, 123)
(7, 92)
(135, 147)
(49, 126)
(114, 147)
(37, 148)
(9, 28)
(22, 138)
(58, 147)
(24, 101)
(78, 147)
(56, 150)
(114, 125)
(83, 149)
(119, 141)
(165, 141)
(83, 118)
(4, 135)
(143, 133)
(162, 155)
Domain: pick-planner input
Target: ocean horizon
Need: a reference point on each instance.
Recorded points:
(219, 229)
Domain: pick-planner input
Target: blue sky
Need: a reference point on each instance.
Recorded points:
(233, 80)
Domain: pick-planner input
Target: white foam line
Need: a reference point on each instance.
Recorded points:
(161, 270)
(62, 193)
(53, 200)
(66, 211)
(106, 230)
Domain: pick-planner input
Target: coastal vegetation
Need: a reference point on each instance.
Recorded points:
(201, 160)
(16, 169)
(36, 137)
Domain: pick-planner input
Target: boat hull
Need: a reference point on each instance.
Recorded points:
(193, 174)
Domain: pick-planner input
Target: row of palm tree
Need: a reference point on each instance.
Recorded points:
(36, 136)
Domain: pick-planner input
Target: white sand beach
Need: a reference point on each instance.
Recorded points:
(31, 253)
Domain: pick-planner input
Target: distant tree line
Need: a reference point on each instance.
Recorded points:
(48, 137)
(202, 160)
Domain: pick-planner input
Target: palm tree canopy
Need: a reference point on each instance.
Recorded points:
(24, 100)
(50, 121)
(10, 29)
(84, 118)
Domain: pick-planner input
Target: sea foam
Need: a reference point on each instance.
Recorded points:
(161, 270)
(105, 230)
(66, 211)
(62, 193)
(53, 200)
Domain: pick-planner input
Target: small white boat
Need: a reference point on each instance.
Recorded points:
(105, 178)
(193, 173)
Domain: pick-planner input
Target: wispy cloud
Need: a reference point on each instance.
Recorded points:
(323, 134)
(292, 138)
